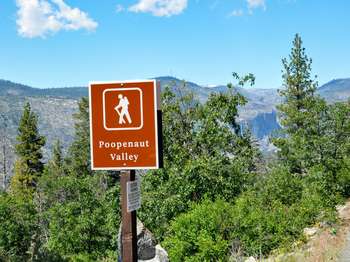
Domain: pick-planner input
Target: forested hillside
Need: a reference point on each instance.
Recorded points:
(216, 199)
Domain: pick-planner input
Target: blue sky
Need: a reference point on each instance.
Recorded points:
(54, 43)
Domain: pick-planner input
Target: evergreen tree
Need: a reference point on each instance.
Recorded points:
(334, 147)
(57, 160)
(49, 189)
(78, 158)
(29, 165)
(300, 111)
(337, 136)
(299, 92)
(5, 151)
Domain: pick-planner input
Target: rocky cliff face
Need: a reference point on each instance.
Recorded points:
(264, 124)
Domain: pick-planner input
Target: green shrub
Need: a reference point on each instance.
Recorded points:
(325, 184)
(344, 179)
(261, 227)
(210, 177)
(202, 234)
(281, 185)
(17, 220)
(269, 216)
(84, 226)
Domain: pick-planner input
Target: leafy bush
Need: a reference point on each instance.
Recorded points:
(18, 224)
(260, 228)
(343, 178)
(274, 213)
(202, 234)
(325, 184)
(255, 225)
(85, 224)
(281, 185)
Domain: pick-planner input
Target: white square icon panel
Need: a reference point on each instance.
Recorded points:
(122, 109)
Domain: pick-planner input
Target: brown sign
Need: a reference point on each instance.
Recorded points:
(123, 125)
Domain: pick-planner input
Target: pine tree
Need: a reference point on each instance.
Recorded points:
(299, 92)
(5, 151)
(29, 165)
(79, 153)
(300, 111)
(57, 161)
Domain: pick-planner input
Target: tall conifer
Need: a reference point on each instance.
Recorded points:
(56, 160)
(79, 152)
(29, 165)
(300, 110)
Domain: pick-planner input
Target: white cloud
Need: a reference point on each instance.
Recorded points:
(37, 18)
(238, 12)
(119, 8)
(159, 7)
(252, 4)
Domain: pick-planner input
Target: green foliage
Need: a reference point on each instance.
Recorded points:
(260, 228)
(265, 220)
(242, 80)
(205, 154)
(298, 110)
(79, 213)
(315, 133)
(86, 221)
(202, 234)
(335, 141)
(270, 215)
(57, 158)
(344, 178)
(20, 242)
(29, 165)
(282, 186)
(29, 141)
(78, 158)
(59, 214)
(18, 223)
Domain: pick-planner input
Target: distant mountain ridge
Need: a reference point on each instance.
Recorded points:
(337, 88)
(11, 88)
(55, 106)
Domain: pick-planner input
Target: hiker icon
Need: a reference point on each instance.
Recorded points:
(124, 109)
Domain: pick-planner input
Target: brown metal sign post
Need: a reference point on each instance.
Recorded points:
(129, 234)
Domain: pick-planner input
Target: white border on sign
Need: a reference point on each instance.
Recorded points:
(104, 108)
(155, 123)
